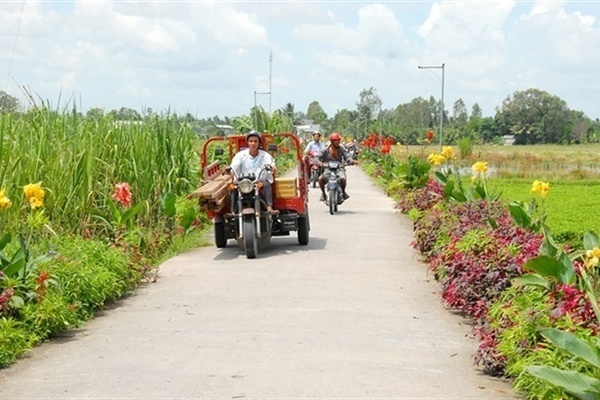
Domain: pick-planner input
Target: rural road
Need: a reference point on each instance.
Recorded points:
(353, 315)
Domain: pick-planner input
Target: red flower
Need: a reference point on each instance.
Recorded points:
(430, 136)
(122, 194)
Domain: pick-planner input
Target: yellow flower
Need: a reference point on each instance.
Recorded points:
(436, 158)
(4, 201)
(474, 179)
(541, 188)
(480, 167)
(592, 257)
(34, 195)
(448, 152)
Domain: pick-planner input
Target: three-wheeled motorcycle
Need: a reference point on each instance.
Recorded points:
(244, 216)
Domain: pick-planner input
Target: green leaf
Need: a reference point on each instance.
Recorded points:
(519, 215)
(441, 177)
(579, 385)
(548, 247)
(104, 219)
(590, 240)
(548, 267)
(481, 192)
(578, 347)
(17, 263)
(167, 204)
(568, 274)
(131, 212)
(448, 189)
(531, 280)
(5, 240)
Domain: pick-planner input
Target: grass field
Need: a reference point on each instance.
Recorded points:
(573, 172)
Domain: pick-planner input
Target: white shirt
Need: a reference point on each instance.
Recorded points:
(315, 146)
(243, 163)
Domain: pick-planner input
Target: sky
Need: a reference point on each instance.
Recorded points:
(220, 58)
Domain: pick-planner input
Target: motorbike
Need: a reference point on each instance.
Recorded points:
(252, 222)
(315, 170)
(335, 195)
(352, 152)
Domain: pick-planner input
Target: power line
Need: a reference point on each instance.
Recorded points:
(14, 47)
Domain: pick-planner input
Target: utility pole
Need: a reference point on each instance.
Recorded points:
(442, 67)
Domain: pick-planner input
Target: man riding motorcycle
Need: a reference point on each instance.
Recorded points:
(334, 152)
(313, 148)
(252, 160)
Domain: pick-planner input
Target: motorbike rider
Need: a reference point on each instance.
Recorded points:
(315, 145)
(252, 160)
(334, 152)
(313, 148)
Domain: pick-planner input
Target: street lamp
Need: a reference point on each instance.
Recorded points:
(442, 67)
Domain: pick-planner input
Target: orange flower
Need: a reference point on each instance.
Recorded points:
(122, 194)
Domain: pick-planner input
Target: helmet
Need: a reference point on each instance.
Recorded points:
(335, 136)
(316, 133)
(254, 133)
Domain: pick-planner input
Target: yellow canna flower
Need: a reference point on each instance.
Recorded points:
(480, 167)
(474, 179)
(541, 188)
(436, 158)
(448, 152)
(592, 257)
(34, 202)
(34, 195)
(4, 201)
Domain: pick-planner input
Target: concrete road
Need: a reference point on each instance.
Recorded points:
(353, 315)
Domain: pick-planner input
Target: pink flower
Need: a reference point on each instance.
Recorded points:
(122, 194)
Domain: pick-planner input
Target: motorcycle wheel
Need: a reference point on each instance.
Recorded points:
(303, 230)
(332, 201)
(250, 242)
(220, 239)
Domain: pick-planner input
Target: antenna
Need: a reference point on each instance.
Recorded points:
(269, 92)
(270, 76)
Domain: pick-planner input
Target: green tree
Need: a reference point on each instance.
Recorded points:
(316, 113)
(369, 104)
(460, 116)
(8, 103)
(95, 113)
(523, 114)
(476, 111)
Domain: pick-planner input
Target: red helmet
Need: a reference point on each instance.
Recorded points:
(335, 136)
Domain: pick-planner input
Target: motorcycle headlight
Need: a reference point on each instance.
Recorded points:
(246, 186)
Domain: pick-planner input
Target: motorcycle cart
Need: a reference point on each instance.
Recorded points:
(254, 228)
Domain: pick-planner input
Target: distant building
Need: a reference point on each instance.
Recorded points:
(306, 129)
(224, 130)
(508, 139)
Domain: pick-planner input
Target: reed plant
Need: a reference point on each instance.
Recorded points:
(78, 160)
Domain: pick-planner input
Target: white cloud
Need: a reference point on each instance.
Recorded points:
(211, 56)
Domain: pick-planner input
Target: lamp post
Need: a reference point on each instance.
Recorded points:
(442, 67)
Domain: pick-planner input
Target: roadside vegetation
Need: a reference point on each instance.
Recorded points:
(88, 208)
(514, 252)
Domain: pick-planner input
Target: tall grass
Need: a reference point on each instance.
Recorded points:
(78, 161)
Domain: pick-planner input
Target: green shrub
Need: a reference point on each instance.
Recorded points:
(14, 340)
(465, 147)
